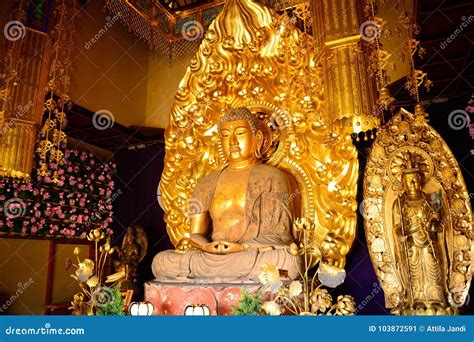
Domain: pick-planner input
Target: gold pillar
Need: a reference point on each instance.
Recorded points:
(23, 101)
(350, 91)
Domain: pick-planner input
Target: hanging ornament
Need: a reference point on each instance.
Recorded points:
(52, 139)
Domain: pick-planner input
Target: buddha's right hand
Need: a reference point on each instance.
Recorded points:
(183, 245)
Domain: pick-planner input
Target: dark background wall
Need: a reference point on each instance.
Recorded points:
(139, 173)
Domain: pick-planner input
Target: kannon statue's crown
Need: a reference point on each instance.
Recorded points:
(411, 163)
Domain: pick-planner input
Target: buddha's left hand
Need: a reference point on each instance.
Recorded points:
(226, 247)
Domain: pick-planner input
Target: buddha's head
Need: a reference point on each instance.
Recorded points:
(241, 136)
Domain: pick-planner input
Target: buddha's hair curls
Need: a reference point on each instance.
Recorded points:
(241, 113)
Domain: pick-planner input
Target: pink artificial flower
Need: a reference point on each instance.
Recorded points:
(82, 202)
(61, 171)
(60, 183)
(34, 230)
(47, 179)
(69, 169)
(37, 213)
(80, 186)
(72, 202)
(83, 235)
(101, 178)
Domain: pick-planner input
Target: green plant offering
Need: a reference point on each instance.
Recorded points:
(113, 303)
(248, 305)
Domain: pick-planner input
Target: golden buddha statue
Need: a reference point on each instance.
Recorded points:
(419, 230)
(241, 217)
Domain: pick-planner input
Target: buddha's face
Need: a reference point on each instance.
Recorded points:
(238, 142)
(412, 183)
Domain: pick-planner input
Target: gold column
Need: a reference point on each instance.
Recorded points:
(23, 101)
(350, 91)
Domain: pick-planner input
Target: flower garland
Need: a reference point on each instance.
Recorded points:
(81, 199)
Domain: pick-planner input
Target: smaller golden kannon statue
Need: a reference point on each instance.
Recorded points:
(418, 225)
(417, 218)
(241, 216)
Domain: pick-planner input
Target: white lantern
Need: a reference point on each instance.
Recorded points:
(197, 310)
(140, 309)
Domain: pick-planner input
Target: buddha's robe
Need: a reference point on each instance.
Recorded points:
(268, 219)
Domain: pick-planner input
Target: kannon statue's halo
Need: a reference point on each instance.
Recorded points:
(398, 160)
